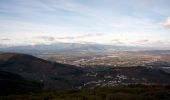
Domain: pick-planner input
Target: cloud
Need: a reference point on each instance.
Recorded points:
(65, 37)
(142, 41)
(100, 34)
(47, 38)
(89, 35)
(117, 41)
(78, 37)
(167, 23)
(4, 39)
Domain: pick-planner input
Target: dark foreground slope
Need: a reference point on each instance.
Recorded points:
(133, 92)
(15, 84)
(30, 64)
(52, 75)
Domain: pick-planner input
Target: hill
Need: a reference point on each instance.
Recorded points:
(52, 75)
(11, 83)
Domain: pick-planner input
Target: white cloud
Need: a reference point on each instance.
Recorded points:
(167, 23)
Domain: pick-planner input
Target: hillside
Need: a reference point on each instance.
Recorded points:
(15, 84)
(28, 63)
(48, 73)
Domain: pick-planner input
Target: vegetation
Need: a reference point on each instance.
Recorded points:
(133, 92)
(15, 84)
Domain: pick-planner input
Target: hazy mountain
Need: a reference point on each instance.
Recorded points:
(67, 47)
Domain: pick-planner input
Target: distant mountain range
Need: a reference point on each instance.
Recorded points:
(68, 47)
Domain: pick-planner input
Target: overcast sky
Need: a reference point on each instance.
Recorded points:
(116, 22)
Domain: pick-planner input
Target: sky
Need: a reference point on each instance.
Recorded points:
(143, 23)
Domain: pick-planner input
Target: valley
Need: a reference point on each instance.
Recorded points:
(112, 59)
(69, 71)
